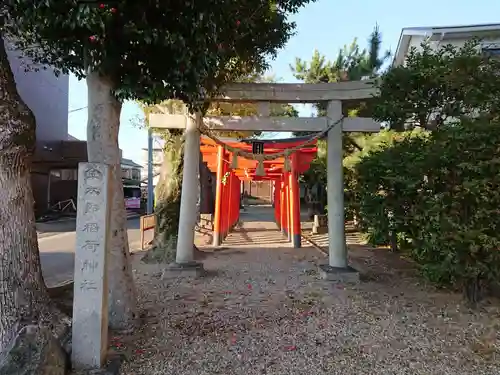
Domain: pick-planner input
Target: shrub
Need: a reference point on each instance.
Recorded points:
(443, 191)
(381, 185)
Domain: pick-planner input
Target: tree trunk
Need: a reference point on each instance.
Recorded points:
(23, 295)
(168, 200)
(102, 147)
(207, 195)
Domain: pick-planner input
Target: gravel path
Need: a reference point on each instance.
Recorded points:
(264, 311)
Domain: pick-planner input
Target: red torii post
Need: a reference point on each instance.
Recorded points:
(293, 180)
(287, 200)
(277, 203)
(283, 205)
(218, 197)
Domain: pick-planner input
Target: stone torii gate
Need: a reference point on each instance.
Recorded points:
(263, 94)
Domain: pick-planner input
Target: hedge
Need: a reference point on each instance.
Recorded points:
(438, 194)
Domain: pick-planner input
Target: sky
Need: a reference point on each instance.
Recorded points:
(326, 25)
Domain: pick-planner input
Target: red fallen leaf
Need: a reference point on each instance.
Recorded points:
(340, 287)
(139, 351)
(115, 338)
(118, 344)
(92, 38)
(233, 339)
(290, 348)
(249, 286)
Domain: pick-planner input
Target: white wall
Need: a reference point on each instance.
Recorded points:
(456, 40)
(46, 95)
(416, 41)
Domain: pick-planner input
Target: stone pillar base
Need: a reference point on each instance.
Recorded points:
(319, 230)
(190, 269)
(297, 241)
(339, 275)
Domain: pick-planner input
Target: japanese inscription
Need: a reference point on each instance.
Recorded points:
(91, 207)
(93, 173)
(91, 246)
(91, 218)
(90, 265)
(91, 227)
(90, 287)
(92, 191)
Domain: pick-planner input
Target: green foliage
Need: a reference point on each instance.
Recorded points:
(437, 192)
(434, 87)
(153, 50)
(376, 182)
(352, 64)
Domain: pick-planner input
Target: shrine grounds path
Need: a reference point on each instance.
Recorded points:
(262, 309)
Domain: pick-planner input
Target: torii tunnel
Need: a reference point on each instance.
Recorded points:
(286, 190)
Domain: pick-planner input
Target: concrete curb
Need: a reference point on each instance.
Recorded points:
(61, 220)
(60, 288)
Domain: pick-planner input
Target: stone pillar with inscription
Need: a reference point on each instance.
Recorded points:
(90, 305)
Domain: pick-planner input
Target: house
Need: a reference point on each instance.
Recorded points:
(489, 34)
(56, 157)
(54, 174)
(131, 178)
(131, 171)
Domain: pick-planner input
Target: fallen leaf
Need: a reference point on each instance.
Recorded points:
(290, 348)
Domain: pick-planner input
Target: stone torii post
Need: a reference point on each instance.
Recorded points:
(263, 94)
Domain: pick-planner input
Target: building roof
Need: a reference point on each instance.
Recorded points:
(437, 33)
(71, 138)
(130, 163)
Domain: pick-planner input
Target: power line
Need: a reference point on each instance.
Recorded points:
(77, 109)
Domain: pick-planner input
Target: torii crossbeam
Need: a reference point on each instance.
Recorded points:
(264, 94)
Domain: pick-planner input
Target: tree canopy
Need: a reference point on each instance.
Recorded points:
(351, 64)
(152, 50)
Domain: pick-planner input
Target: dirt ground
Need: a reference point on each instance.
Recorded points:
(262, 309)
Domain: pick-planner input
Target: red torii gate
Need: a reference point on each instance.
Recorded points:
(285, 183)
